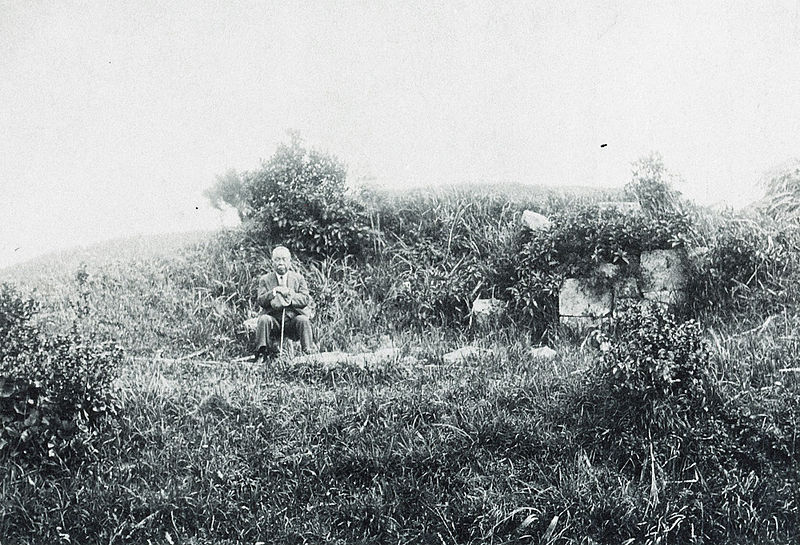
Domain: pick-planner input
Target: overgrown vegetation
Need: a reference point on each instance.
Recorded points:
(672, 431)
(56, 392)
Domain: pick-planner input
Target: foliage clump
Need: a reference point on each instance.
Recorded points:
(654, 410)
(56, 393)
(651, 386)
(655, 363)
(748, 264)
(299, 197)
(651, 185)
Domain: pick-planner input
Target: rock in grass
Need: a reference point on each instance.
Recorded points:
(534, 221)
(578, 297)
(664, 270)
(484, 311)
(466, 352)
(334, 359)
(543, 353)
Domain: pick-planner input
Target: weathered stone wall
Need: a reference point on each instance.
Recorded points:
(658, 275)
(662, 276)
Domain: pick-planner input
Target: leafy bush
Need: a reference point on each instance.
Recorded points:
(655, 412)
(55, 393)
(649, 393)
(655, 359)
(651, 386)
(299, 197)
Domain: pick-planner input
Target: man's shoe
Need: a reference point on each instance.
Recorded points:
(261, 355)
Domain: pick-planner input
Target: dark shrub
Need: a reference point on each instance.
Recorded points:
(654, 411)
(299, 197)
(652, 359)
(55, 393)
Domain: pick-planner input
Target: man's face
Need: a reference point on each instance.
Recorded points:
(281, 261)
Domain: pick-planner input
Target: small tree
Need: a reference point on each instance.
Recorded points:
(300, 197)
(651, 184)
(229, 190)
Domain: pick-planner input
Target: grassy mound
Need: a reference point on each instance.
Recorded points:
(502, 449)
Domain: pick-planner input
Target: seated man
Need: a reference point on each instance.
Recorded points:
(283, 294)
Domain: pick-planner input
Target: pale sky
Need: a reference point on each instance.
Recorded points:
(114, 116)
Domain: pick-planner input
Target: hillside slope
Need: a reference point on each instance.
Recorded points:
(672, 433)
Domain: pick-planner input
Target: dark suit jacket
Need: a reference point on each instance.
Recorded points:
(299, 303)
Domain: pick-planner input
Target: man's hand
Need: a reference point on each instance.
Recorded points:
(283, 290)
(281, 297)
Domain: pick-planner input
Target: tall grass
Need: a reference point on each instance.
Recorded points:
(478, 451)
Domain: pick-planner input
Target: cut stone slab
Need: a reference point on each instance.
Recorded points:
(664, 270)
(543, 353)
(485, 310)
(583, 323)
(466, 352)
(578, 297)
(534, 221)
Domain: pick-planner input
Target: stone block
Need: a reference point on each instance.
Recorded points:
(484, 311)
(543, 353)
(578, 297)
(534, 221)
(664, 270)
(583, 323)
(330, 360)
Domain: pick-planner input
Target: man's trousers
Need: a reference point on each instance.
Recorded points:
(268, 331)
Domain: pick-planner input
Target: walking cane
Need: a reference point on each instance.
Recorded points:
(283, 318)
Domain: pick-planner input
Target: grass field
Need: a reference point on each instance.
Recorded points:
(501, 449)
